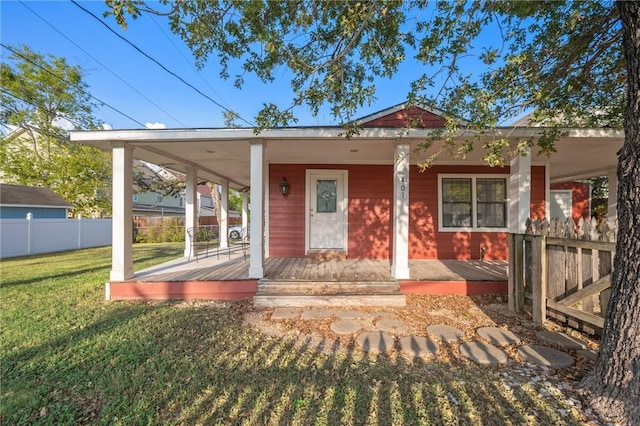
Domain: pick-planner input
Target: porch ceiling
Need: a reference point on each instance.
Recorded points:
(224, 154)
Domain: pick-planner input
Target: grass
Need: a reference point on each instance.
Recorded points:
(70, 357)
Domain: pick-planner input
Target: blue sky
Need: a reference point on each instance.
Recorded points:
(114, 68)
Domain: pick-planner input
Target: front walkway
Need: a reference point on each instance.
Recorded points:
(383, 332)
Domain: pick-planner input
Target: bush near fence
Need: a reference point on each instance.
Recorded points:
(158, 229)
(150, 229)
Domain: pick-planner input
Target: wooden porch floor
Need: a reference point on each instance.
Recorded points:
(236, 268)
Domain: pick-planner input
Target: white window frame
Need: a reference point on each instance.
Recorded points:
(474, 202)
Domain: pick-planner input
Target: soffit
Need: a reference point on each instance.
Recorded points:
(224, 154)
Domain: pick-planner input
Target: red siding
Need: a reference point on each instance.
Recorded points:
(370, 194)
(453, 287)
(406, 118)
(538, 193)
(184, 290)
(369, 217)
(370, 191)
(287, 215)
(580, 199)
(425, 242)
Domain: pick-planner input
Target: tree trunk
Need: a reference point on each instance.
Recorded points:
(215, 196)
(613, 385)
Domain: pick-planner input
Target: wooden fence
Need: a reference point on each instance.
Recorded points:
(564, 270)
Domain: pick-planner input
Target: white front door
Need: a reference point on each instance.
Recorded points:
(327, 209)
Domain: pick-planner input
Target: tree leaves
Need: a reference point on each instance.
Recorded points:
(488, 62)
(38, 93)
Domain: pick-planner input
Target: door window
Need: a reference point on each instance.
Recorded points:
(326, 196)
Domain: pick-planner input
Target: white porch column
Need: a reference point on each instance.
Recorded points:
(612, 204)
(520, 193)
(256, 249)
(223, 219)
(122, 224)
(190, 205)
(400, 254)
(245, 209)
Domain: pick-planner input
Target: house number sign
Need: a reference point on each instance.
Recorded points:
(403, 187)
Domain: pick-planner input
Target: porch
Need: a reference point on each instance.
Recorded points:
(307, 281)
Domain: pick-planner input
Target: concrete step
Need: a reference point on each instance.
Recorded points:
(274, 301)
(299, 287)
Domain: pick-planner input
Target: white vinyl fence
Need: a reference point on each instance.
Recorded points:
(19, 237)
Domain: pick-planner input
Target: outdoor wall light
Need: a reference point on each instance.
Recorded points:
(284, 187)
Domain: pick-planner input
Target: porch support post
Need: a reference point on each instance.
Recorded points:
(245, 209)
(256, 249)
(223, 219)
(520, 193)
(612, 204)
(122, 224)
(400, 255)
(190, 205)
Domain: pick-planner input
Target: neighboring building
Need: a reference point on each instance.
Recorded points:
(155, 203)
(364, 195)
(207, 208)
(16, 201)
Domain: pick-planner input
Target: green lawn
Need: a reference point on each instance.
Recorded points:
(70, 357)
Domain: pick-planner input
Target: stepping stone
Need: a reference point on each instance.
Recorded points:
(285, 313)
(345, 326)
(375, 341)
(587, 354)
(554, 338)
(483, 353)
(317, 314)
(392, 326)
(382, 314)
(545, 356)
(445, 333)
(498, 336)
(418, 346)
(349, 314)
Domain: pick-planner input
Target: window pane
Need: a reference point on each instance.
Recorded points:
(492, 215)
(491, 189)
(455, 215)
(456, 190)
(492, 204)
(326, 191)
(456, 202)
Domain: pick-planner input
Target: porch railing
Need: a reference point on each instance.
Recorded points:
(562, 270)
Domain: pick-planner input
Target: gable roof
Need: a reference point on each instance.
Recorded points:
(405, 115)
(20, 195)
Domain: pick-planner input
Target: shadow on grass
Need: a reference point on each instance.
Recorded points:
(180, 363)
(103, 267)
(79, 262)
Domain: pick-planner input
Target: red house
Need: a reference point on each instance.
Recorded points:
(362, 197)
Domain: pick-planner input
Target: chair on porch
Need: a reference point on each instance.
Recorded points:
(242, 240)
(202, 237)
(245, 241)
